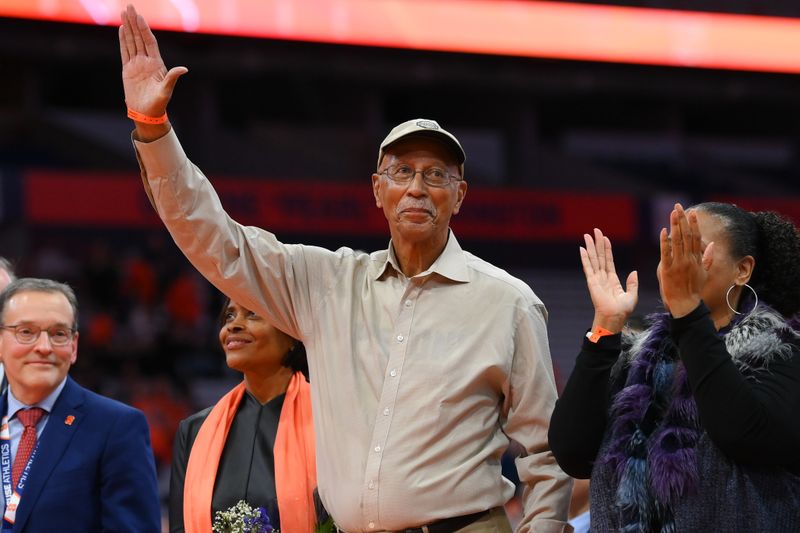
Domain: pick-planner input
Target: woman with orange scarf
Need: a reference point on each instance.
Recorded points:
(257, 443)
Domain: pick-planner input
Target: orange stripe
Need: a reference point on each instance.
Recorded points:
(506, 27)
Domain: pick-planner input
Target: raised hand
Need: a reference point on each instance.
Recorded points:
(147, 82)
(684, 265)
(612, 303)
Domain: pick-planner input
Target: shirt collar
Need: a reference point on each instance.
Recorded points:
(15, 405)
(451, 263)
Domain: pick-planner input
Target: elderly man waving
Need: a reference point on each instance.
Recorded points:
(425, 360)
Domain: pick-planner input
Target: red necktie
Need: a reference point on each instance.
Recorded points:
(29, 418)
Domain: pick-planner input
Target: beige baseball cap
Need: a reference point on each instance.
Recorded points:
(425, 128)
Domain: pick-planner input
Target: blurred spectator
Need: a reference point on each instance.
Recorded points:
(185, 307)
(164, 409)
(139, 283)
(102, 274)
(6, 277)
(6, 273)
(52, 262)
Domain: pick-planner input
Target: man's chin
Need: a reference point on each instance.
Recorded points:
(412, 230)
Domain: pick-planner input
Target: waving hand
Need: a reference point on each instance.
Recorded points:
(612, 303)
(147, 82)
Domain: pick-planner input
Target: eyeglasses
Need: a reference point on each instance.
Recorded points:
(433, 176)
(29, 334)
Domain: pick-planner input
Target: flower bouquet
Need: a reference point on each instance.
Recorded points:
(241, 518)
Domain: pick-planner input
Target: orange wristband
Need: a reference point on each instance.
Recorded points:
(139, 117)
(598, 332)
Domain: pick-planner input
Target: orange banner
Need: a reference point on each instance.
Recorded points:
(507, 27)
(315, 208)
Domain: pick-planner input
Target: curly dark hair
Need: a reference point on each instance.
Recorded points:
(774, 243)
(295, 358)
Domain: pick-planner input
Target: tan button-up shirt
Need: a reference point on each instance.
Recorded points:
(417, 383)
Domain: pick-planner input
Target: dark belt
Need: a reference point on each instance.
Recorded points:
(446, 525)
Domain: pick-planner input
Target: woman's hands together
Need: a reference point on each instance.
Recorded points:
(684, 265)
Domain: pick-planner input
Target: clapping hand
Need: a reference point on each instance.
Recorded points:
(147, 82)
(684, 265)
(612, 303)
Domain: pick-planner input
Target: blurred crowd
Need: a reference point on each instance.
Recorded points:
(148, 329)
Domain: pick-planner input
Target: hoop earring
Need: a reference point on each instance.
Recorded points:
(728, 294)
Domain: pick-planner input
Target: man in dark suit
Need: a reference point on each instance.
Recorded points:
(71, 460)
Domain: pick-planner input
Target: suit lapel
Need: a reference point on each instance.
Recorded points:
(62, 424)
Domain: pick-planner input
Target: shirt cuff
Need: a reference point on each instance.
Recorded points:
(601, 354)
(162, 157)
(604, 344)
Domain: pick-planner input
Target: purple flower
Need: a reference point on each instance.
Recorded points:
(259, 523)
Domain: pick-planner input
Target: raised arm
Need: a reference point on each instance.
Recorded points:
(147, 82)
(579, 418)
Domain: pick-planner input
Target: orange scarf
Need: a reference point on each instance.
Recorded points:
(294, 452)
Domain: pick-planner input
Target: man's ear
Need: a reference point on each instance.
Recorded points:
(376, 189)
(460, 195)
(74, 356)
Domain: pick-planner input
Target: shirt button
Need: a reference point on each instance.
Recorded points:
(371, 525)
(377, 449)
(386, 412)
(393, 372)
(400, 338)
(408, 303)
(371, 485)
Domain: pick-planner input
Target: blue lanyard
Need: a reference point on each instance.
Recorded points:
(12, 497)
